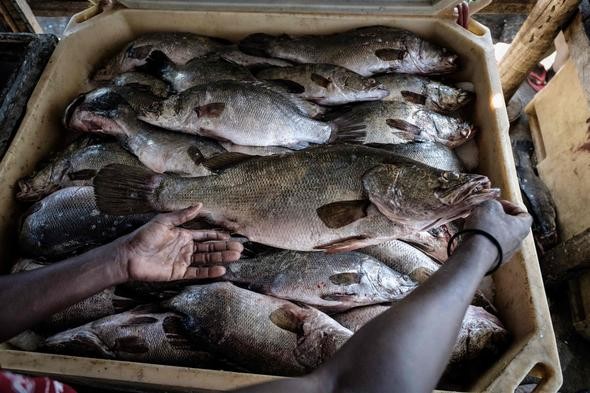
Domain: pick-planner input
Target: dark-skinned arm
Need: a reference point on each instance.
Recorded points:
(407, 348)
(158, 251)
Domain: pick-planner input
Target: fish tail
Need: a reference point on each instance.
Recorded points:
(256, 44)
(158, 64)
(349, 128)
(122, 189)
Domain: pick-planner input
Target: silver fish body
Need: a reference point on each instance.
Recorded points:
(139, 335)
(403, 258)
(367, 50)
(432, 154)
(394, 122)
(421, 90)
(481, 332)
(259, 332)
(242, 112)
(68, 221)
(328, 282)
(326, 198)
(178, 46)
(105, 111)
(325, 84)
(75, 166)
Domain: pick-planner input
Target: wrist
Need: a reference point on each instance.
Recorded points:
(118, 259)
(483, 247)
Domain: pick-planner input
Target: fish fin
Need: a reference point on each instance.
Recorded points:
(289, 86)
(287, 317)
(414, 98)
(82, 343)
(349, 128)
(404, 126)
(139, 52)
(390, 54)
(257, 44)
(157, 63)
(346, 278)
(320, 80)
(348, 244)
(195, 154)
(214, 109)
(84, 174)
(175, 333)
(225, 160)
(122, 189)
(121, 303)
(421, 274)
(141, 320)
(131, 344)
(339, 214)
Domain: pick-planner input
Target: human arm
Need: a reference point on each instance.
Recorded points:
(407, 348)
(158, 251)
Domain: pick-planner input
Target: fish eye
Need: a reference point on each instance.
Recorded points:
(448, 176)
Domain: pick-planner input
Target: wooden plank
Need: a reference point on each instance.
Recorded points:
(58, 7)
(579, 52)
(18, 15)
(559, 116)
(509, 7)
(532, 41)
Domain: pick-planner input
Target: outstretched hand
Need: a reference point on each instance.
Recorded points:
(162, 251)
(507, 222)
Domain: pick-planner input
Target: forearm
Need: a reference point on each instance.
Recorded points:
(29, 297)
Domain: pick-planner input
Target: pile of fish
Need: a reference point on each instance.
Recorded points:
(333, 155)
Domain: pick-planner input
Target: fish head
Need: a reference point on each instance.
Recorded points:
(81, 341)
(448, 98)
(354, 87)
(449, 131)
(393, 285)
(131, 57)
(423, 197)
(101, 111)
(44, 182)
(427, 56)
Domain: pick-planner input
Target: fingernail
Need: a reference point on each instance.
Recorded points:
(219, 270)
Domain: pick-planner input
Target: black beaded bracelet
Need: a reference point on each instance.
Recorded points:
(485, 234)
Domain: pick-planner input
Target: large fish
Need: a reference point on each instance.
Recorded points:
(331, 283)
(180, 47)
(481, 332)
(250, 113)
(420, 90)
(392, 122)
(68, 221)
(261, 333)
(75, 166)
(99, 305)
(367, 51)
(325, 84)
(198, 71)
(335, 198)
(432, 154)
(139, 335)
(105, 111)
(403, 258)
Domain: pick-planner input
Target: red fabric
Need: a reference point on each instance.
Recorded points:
(16, 383)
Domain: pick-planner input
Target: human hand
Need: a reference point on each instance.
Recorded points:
(162, 251)
(505, 221)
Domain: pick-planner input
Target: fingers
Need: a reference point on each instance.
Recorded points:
(209, 234)
(180, 216)
(198, 273)
(217, 252)
(512, 208)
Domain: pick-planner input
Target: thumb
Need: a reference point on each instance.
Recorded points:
(179, 217)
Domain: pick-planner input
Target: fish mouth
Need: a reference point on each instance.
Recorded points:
(464, 97)
(28, 193)
(473, 191)
(71, 109)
